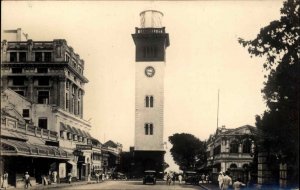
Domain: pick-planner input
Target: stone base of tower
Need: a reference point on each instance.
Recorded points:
(148, 160)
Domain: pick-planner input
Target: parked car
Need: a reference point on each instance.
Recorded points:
(191, 177)
(118, 175)
(149, 177)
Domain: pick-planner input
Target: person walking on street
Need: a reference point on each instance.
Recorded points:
(97, 177)
(103, 176)
(168, 179)
(69, 177)
(202, 178)
(173, 178)
(207, 178)
(27, 180)
(5, 180)
(180, 178)
(220, 180)
(227, 181)
(238, 184)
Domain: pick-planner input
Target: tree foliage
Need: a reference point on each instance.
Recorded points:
(188, 151)
(279, 125)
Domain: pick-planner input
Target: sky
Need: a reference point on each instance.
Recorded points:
(204, 56)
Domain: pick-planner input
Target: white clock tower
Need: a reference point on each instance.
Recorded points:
(151, 42)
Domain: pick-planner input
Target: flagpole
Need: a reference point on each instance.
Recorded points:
(218, 109)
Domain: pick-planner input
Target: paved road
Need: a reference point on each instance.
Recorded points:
(129, 185)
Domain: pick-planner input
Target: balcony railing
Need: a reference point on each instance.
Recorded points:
(150, 30)
(232, 155)
(32, 130)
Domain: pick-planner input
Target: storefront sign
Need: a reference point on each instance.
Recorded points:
(84, 147)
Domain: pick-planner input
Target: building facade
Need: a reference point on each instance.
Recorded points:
(42, 87)
(151, 42)
(231, 150)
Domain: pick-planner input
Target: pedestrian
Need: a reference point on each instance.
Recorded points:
(220, 180)
(180, 178)
(207, 178)
(174, 179)
(227, 181)
(5, 180)
(27, 180)
(168, 179)
(203, 177)
(238, 184)
(1, 180)
(69, 177)
(103, 176)
(54, 173)
(97, 177)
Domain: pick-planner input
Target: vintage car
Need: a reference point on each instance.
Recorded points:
(191, 177)
(149, 177)
(119, 175)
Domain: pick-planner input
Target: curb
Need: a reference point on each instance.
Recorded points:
(202, 186)
(40, 186)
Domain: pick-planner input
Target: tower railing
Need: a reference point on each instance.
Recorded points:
(150, 30)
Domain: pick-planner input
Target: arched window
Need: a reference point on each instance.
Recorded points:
(149, 101)
(148, 129)
(234, 147)
(151, 128)
(245, 166)
(247, 146)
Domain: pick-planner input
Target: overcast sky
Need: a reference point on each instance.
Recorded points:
(203, 56)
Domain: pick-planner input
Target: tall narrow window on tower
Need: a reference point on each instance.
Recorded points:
(149, 101)
(151, 128)
(148, 128)
(150, 52)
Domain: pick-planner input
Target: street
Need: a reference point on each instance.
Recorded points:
(124, 185)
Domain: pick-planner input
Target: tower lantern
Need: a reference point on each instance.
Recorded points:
(151, 41)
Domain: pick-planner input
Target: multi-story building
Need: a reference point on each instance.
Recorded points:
(43, 83)
(231, 150)
(114, 150)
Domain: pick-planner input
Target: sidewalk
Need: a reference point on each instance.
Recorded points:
(40, 186)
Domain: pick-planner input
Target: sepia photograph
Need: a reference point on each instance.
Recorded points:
(150, 94)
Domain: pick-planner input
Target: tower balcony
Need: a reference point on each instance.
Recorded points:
(150, 30)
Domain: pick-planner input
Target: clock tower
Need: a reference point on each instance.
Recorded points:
(151, 42)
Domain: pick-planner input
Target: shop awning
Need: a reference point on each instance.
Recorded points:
(70, 129)
(63, 127)
(76, 132)
(80, 132)
(86, 134)
(10, 147)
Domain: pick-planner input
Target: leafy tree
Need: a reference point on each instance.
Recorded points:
(187, 151)
(279, 125)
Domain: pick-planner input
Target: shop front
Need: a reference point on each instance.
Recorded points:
(19, 157)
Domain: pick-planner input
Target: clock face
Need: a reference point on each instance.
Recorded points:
(149, 71)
